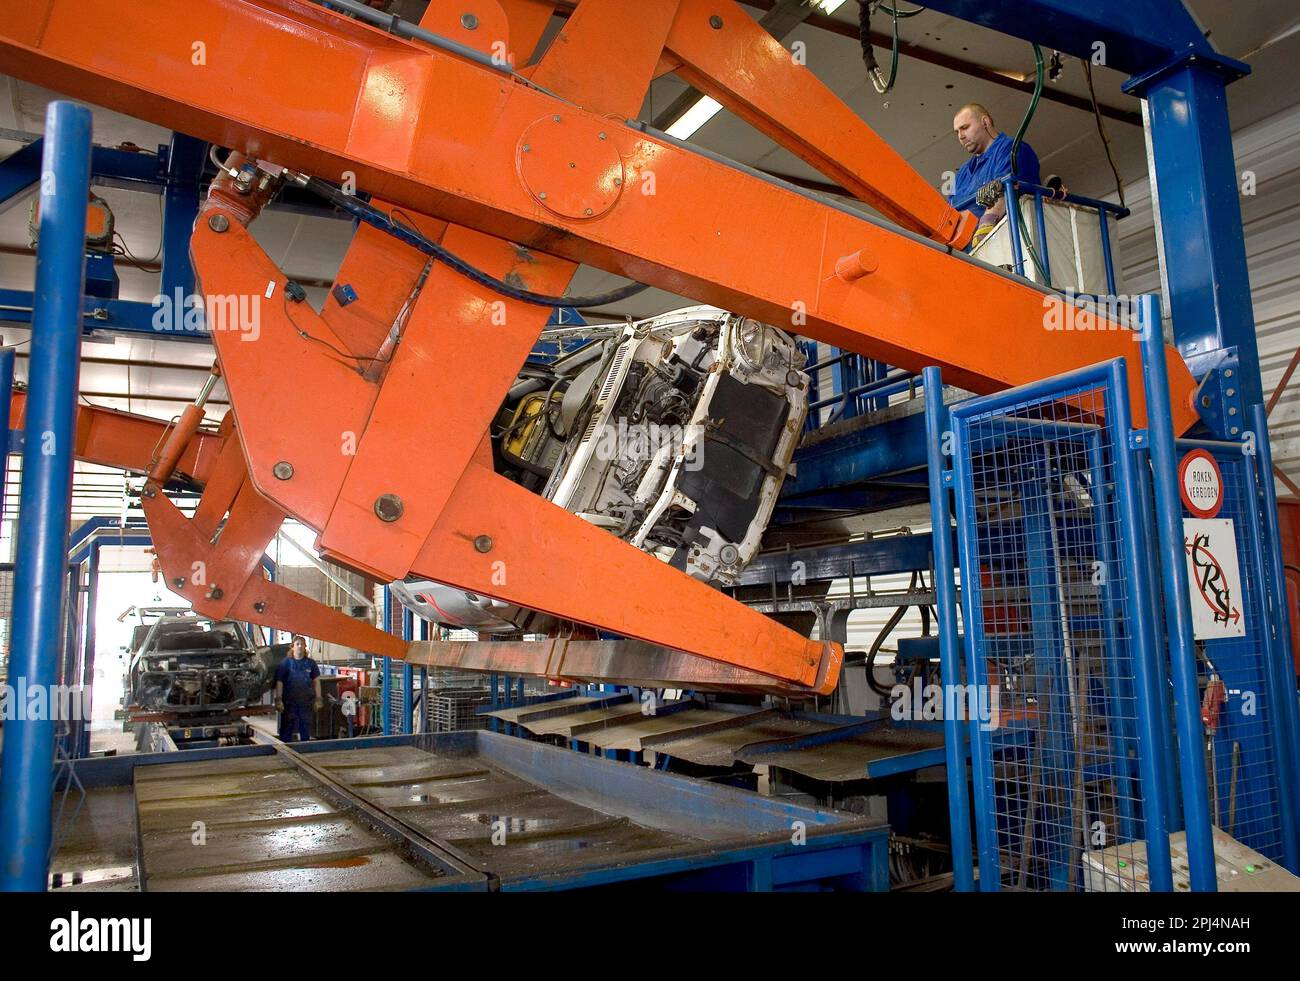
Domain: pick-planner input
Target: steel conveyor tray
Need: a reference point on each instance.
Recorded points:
(460, 810)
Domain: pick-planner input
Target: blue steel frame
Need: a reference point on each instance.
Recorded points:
(1278, 645)
(1178, 611)
(1110, 377)
(26, 775)
(938, 443)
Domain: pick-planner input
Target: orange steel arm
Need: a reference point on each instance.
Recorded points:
(130, 442)
(382, 454)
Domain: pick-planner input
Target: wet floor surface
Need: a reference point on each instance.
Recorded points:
(96, 844)
(263, 823)
(503, 825)
(259, 824)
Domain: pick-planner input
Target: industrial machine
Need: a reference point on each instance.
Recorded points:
(480, 181)
(674, 435)
(461, 262)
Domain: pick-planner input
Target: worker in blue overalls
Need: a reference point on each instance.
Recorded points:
(297, 691)
(990, 161)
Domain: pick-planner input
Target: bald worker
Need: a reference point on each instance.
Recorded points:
(990, 161)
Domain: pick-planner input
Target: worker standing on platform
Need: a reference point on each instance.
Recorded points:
(297, 691)
(990, 161)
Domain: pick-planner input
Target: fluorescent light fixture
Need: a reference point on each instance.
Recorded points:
(693, 118)
(830, 6)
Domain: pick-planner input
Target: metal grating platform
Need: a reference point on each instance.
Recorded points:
(463, 810)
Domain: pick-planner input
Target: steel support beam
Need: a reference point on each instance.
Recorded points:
(26, 775)
(1196, 194)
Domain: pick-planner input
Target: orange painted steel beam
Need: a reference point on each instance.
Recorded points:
(444, 136)
(121, 439)
(754, 76)
(619, 662)
(180, 546)
(454, 323)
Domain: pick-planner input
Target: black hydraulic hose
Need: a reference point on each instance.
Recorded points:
(413, 237)
(890, 624)
(1015, 171)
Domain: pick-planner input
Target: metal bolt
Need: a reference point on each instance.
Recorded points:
(588, 211)
(218, 223)
(572, 165)
(259, 607)
(282, 470)
(715, 22)
(556, 117)
(1205, 401)
(618, 182)
(1234, 430)
(178, 582)
(1227, 373)
(1231, 392)
(216, 593)
(527, 147)
(1232, 411)
(601, 135)
(149, 492)
(388, 507)
(483, 543)
(542, 195)
(468, 21)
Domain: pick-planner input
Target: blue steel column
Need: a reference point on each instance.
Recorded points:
(1200, 214)
(88, 649)
(26, 774)
(408, 674)
(1178, 611)
(1282, 663)
(945, 595)
(424, 677)
(1148, 695)
(386, 682)
(185, 159)
(6, 397)
(981, 759)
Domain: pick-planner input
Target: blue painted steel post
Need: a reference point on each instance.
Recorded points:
(980, 740)
(88, 649)
(1195, 178)
(1148, 695)
(945, 594)
(408, 674)
(1288, 713)
(6, 396)
(1178, 610)
(1017, 252)
(26, 775)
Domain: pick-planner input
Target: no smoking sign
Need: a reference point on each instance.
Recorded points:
(1200, 483)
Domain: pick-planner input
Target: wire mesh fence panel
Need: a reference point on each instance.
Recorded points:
(452, 709)
(1232, 621)
(1050, 640)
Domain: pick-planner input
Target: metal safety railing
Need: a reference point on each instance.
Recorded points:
(1016, 191)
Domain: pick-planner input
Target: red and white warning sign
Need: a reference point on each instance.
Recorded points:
(1214, 578)
(1200, 482)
